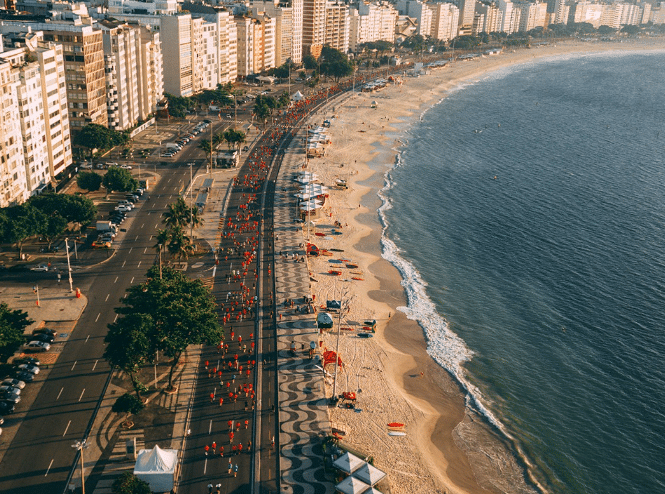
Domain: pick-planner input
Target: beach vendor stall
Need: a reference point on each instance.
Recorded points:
(324, 321)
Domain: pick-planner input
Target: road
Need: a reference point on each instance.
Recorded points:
(40, 457)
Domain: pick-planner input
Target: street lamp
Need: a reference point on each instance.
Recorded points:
(191, 203)
(69, 267)
(80, 446)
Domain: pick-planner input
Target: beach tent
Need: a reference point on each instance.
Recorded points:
(369, 474)
(298, 96)
(373, 490)
(348, 462)
(351, 485)
(157, 467)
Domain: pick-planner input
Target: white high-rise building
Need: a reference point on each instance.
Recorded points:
(586, 12)
(337, 27)
(492, 17)
(532, 15)
(256, 44)
(288, 28)
(151, 72)
(205, 53)
(176, 35)
(313, 26)
(371, 22)
(122, 43)
(39, 74)
(511, 16)
(467, 9)
(245, 35)
(13, 183)
(445, 21)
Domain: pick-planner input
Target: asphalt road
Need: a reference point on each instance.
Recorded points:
(40, 456)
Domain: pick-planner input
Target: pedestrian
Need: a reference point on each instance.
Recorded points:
(219, 488)
(235, 470)
(214, 446)
(221, 401)
(231, 437)
(233, 450)
(210, 488)
(206, 449)
(212, 397)
(240, 448)
(246, 422)
(230, 424)
(249, 446)
(221, 451)
(230, 466)
(237, 426)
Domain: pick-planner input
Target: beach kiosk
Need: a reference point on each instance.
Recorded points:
(157, 467)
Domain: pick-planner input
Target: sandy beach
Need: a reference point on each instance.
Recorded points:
(447, 447)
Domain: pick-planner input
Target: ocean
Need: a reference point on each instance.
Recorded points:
(534, 259)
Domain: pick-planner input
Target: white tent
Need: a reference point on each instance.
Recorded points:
(373, 490)
(298, 96)
(157, 467)
(369, 474)
(351, 485)
(348, 463)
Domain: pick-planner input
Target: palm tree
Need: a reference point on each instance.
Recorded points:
(207, 148)
(196, 218)
(177, 214)
(180, 245)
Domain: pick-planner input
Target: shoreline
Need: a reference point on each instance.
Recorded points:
(448, 446)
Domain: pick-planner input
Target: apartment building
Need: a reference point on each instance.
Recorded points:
(156, 7)
(586, 12)
(13, 183)
(467, 9)
(510, 16)
(445, 20)
(151, 72)
(491, 18)
(288, 28)
(532, 15)
(337, 27)
(176, 36)
(122, 44)
(313, 25)
(256, 44)
(39, 76)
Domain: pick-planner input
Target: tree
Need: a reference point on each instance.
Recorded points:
(179, 105)
(309, 62)
(55, 226)
(128, 404)
(234, 138)
(207, 147)
(94, 136)
(128, 483)
(23, 222)
(182, 310)
(176, 214)
(89, 181)
(128, 346)
(180, 245)
(119, 179)
(12, 325)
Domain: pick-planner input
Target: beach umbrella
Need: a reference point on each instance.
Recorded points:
(348, 462)
(351, 485)
(369, 474)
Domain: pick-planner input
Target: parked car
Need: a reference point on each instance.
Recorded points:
(37, 346)
(167, 155)
(40, 267)
(50, 331)
(132, 197)
(10, 389)
(100, 166)
(207, 121)
(6, 408)
(32, 369)
(10, 397)
(15, 383)
(24, 376)
(126, 166)
(123, 208)
(229, 116)
(139, 192)
(27, 360)
(126, 203)
(46, 338)
(86, 166)
(108, 165)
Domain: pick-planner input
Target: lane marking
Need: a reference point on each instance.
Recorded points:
(210, 427)
(123, 263)
(66, 428)
(98, 317)
(116, 280)
(93, 367)
(49, 467)
(150, 235)
(133, 277)
(142, 227)
(106, 299)
(137, 237)
(80, 397)
(139, 265)
(87, 338)
(156, 225)
(73, 365)
(115, 318)
(205, 466)
(146, 249)
(61, 389)
(130, 249)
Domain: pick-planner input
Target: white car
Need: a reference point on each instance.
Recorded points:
(126, 202)
(126, 167)
(10, 389)
(14, 383)
(36, 346)
(123, 208)
(40, 267)
(32, 369)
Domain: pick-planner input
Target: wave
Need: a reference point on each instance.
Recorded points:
(443, 345)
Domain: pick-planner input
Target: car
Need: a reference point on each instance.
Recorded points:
(10, 389)
(167, 155)
(50, 331)
(123, 208)
(100, 166)
(207, 121)
(86, 166)
(37, 346)
(24, 376)
(6, 408)
(139, 191)
(40, 267)
(125, 166)
(27, 360)
(131, 198)
(101, 244)
(126, 203)
(47, 338)
(15, 383)
(108, 165)
(116, 220)
(10, 397)
(32, 369)
(229, 116)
